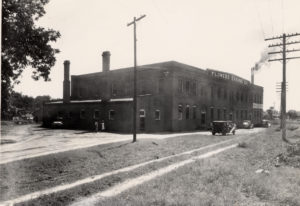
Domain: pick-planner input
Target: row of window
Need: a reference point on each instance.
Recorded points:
(111, 114)
(190, 87)
(221, 114)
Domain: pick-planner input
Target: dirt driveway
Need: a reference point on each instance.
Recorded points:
(33, 141)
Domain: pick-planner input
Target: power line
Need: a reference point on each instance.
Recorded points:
(283, 84)
(271, 19)
(259, 19)
(282, 15)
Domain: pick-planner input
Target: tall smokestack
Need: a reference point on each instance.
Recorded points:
(66, 87)
(105, 61)
(252, 75)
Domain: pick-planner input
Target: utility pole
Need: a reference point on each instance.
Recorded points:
(283, 45)
(134, 75)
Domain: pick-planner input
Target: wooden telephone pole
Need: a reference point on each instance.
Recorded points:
(283, 45)
(134, 75)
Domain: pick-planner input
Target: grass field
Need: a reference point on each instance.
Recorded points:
(247, 175)
(262, 170)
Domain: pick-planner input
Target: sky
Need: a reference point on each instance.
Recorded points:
(222, 35)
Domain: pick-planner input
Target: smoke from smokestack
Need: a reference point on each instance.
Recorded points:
(262, 61)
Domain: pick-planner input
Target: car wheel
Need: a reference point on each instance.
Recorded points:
(213, 133)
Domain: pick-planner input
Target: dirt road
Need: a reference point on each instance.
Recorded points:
(33, 141)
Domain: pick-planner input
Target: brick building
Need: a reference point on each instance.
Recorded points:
(171, 97)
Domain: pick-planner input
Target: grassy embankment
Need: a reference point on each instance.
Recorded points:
(262, 171)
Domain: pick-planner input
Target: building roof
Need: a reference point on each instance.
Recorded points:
(159, 66)
(172, 65)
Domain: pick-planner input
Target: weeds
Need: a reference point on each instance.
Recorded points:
(242, 145)
(292, 128)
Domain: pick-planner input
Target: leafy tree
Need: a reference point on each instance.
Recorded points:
(24, 44)
(20, 101)
(292, 114)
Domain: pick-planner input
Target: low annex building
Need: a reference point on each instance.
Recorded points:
(171, 96)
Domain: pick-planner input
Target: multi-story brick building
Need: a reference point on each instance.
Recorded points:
(171, 97)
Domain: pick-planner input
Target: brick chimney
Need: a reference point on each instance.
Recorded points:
(105, 61)
(66, 87)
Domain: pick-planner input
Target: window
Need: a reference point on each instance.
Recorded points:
(180, 86)
(82, 114)
(230, 116)
(202, 91)
(113, 89)
(231, 95)
(160, 86)
(212, 92)
(237, 114)
(237, 96)
(142, 113)
(193, 89)
(60, 114)
(96, 114)
(212, 114)
(219, 114)
(157, 115)
(111, 114)
(203, 118)
(225, 94)
(180, 110)
(194, 112)
(70, 114)
(225, 114)
(187, 112)
(219, 93)
(187, 87)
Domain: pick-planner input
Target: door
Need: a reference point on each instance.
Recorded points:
(142, 120)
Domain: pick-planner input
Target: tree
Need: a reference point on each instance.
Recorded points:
(24, 44)
(292, 114)
(17, 100)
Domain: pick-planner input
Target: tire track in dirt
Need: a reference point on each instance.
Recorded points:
(35, 195)
(130, 183)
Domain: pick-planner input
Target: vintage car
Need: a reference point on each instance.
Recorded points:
(247, 124)
(58, 123)
(266, 123)
(223, 127)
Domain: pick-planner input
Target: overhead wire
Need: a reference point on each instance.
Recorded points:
(259, 19)
(282, 15)
(271, 19)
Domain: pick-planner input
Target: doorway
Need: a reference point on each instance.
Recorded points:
(142, 115)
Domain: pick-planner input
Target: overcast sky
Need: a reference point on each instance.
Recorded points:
(222, 35)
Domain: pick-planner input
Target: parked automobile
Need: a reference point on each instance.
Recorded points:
(247, 124)
(266, 123)
(19, 120)
(58, 123)
(223, 127)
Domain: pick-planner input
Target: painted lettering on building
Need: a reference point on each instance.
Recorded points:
(227, 76)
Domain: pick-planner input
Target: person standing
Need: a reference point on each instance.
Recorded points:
(102, 126)
(96, 126)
